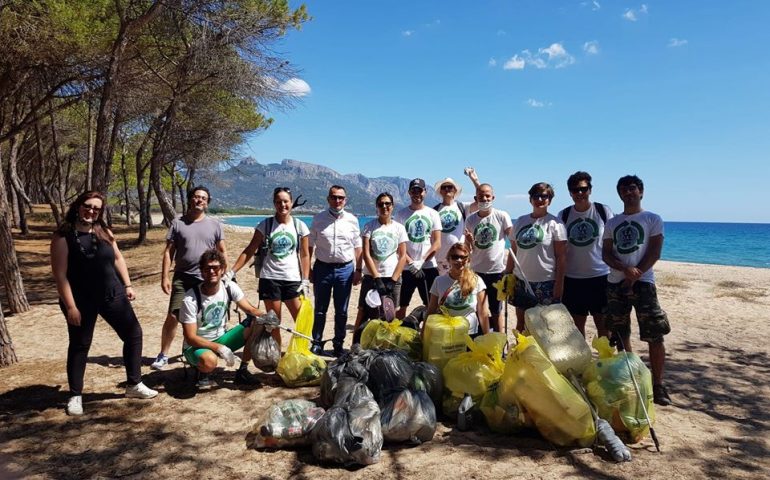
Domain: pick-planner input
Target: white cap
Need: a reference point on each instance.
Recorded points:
(437, 186)
(373, 299)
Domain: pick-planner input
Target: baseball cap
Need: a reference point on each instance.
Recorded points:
(417, 183)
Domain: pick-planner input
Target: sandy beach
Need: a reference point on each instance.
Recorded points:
(717, 371)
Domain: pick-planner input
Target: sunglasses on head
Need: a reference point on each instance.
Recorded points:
(281, 189)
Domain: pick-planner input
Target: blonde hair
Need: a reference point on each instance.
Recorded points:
(468, 278)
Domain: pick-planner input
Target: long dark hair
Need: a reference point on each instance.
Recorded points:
(101, 230)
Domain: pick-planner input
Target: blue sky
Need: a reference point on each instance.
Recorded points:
(677, 92)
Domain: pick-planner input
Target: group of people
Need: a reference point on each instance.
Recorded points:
(453, 254)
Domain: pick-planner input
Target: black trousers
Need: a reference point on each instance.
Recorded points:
(119, 314)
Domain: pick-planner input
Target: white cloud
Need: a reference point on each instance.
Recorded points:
(516, 196)
(595, 5)
(553, 56)
(514, 63)
(295, 87)
(677, 42)
(535, 103)
(501, 33)
(591, 47)
(407, 33)
(492, 62)
(632, 15)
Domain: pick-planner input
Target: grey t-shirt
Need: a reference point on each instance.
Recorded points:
(191, 239)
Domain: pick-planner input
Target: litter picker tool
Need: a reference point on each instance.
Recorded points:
(639, 394)
(271, 321)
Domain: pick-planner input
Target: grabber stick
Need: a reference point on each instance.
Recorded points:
(639, 394)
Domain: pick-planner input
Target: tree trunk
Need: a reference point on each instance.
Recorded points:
(90, 141)
(7, 352)
(9, 264)
(126, 197)
(44, 186)
(144, 201)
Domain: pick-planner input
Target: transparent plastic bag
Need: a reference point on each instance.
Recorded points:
(299, 367)
(285, 424)
(554, 330)
(408, 416)
(443, 338)
(265, 352)
(611, 390)
(383, 335)
(556, 408)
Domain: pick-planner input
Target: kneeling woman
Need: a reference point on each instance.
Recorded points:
(461, 291)
(92, 279)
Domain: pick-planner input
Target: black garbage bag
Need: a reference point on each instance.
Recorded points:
(408, 416)
(427, 377)
(265, 352)
(350, 434)
(349, 365)
(390, 371)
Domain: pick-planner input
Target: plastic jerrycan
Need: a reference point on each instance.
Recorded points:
(555, 331)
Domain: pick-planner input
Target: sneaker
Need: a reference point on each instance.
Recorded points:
(660, 395)
(338, 351)
(160, 362)
(204, 381)
(75, 405)
(140, 390)
(243, 377)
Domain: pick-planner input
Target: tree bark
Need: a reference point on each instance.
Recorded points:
(7, 352)
(10, 275)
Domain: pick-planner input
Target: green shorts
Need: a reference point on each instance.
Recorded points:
(180, 283)
(653, 322)
(233, 339)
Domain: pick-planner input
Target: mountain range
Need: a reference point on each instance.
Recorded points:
(250, 184)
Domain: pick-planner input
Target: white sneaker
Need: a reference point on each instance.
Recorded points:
(160, 362)
(204, 381)
(75, 405)
(140, 390)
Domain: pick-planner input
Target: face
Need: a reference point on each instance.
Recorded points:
(89, 210)
(485, 194)
(212, 271)
(540, 200)
(337, 198)
(417, 195)
(580, 192)
(448, 190)
(282, 202)
(630, 194)
(457, 259)
(384, 206)
(199, 200)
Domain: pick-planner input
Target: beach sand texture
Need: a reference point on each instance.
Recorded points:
(717, 371)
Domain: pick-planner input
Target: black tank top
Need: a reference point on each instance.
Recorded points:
(91, 268)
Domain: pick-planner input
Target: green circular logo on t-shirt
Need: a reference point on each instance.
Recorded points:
(282, 244)
(530, 236)
(484, 235)
(382, 245)
(455, 299)
(628, 236)
(212, 316)
(450, 219)
(582, 232)
(418, 228)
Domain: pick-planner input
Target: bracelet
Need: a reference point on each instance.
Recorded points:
(128, 286)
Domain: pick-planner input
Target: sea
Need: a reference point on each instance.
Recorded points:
(738, 244)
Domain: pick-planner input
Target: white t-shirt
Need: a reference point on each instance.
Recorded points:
(535, 239)
(489, 253)
(282, 262)
(383, 244)
(211, 323)
(419, 225)
(454, 302)
(585, 231)
(452, 227)
(630, 235)
(335, 239)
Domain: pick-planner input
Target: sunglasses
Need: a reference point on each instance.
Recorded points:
(580, 189)
(540, 196)
(211, 268)
(92, 208)
(385, 204)
(337, 197)
(415, 190)
(447, 187)
(458, 257)
(281, 189)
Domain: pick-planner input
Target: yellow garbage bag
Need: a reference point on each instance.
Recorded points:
(383, 335)
(611, 389)
(299, 367)
(556, 408)
(505, 287)
(443, 337)
(503, 418)
(473, 372)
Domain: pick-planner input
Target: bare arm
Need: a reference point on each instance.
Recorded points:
(168, 254)
(357, 274)
(304, 257)
(190, 331)
(247, 307)
(368, 260)
(122, 269)
(481, 311)
(435, 244)
(401, 252)
(474, 207)
(433, 304)
(652, 255)
(560, 252)
(59, 251)
(248, 252)
(221, 247)
(631, 273)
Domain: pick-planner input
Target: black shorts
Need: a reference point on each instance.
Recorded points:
(409, 283)
(489, 280)
(283, 290)
(585, 295)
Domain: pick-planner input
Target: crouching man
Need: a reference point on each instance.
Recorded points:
(204, 316)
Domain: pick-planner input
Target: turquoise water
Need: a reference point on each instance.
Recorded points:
(739, 244)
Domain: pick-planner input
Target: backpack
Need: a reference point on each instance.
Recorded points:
(199, 301)
(460, 205)
(264, 249)
(599, 208)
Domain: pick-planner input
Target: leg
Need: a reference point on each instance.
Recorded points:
(274, 306)
(119, 314)
(424, 284)
(520, 325)
(169, 332)
(77, 352)
(494, 304)
(601, 329)
(343, 285)
(657, 361)
(580, 323)
(323, 281)
(408, 285)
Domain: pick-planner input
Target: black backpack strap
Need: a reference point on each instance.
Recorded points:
(565, 214)
(198, 300)
(437, 206)
(296, 229)
(601, 210)
(462, 209)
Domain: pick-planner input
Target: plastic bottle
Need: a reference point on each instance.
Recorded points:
(465, 414)
(606, 435)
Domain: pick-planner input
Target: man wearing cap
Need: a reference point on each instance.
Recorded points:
(452, 214)
(336, 239)
(423, 231)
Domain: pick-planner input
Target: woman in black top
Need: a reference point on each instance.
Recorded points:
(92, 278)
